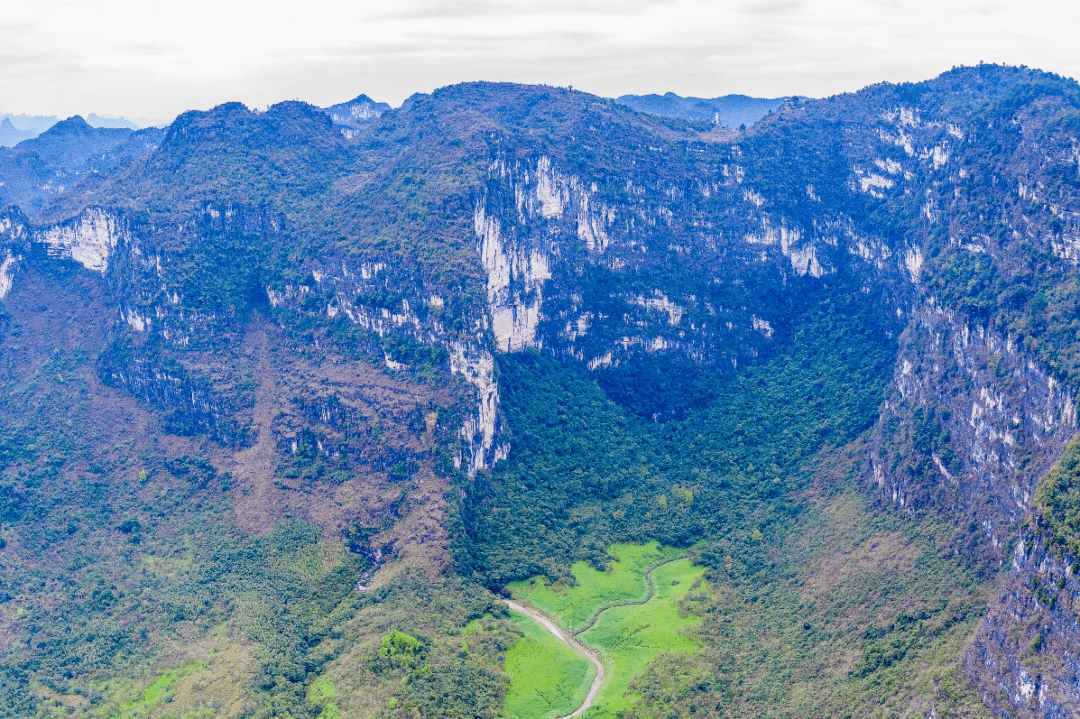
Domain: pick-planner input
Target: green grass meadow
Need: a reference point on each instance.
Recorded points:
(631, 637)
(549, 679)
(321, 694)
(574, 606)
(545, 681)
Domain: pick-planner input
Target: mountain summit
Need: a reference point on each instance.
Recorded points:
(357, 112)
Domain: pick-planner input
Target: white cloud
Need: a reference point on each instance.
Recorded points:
(154, 59)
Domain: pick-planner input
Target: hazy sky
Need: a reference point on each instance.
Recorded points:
(151, 60)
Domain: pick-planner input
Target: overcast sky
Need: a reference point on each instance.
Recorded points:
(151, 60)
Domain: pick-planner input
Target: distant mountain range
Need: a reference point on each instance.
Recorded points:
(116, 123)
(16, 128)
(730, 111)
(45, 165)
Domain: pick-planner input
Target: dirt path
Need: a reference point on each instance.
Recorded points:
(580, 648)
(574, 644)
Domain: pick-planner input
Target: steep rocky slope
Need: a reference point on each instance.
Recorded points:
(486, 334)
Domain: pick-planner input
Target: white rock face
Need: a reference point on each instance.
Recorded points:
(591, 226)
(515, 315)
(88, 241)
(363, 111)
(7, 271)
(379, 320)
(136, 321)
(913, 261)
(768, 236)
(889, 165)
(552, 193)
(1067, 247)
(478, 368)
(940, 156)
(874, 183)
(598, 362)
(544, 192)
(908, 117)
(291, 292)
(804, 257)
(753, 198)
(901, 139)
(516, 276)
(870, 250)
(804, 261)
(661, 303)
(994, 424)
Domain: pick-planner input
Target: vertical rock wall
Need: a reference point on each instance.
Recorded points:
(971, 425)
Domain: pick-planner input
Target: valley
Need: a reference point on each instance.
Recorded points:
(774, 422)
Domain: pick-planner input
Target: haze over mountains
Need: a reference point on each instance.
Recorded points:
(730, 111)
(292, 397)
(16, 128)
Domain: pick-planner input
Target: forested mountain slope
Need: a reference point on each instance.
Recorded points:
(46, 165)
(288, 400)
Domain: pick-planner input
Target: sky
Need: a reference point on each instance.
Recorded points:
(151, 60)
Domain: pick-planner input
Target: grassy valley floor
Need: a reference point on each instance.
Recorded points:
(549, 678)
(631, 637)
(629, 614)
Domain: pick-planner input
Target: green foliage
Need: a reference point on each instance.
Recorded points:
(864, 615)
(234, 154)
(660, 387)
(575, 455)
(576, 601)
(547, 677)
(631, 612)
(585, 472)
(196, 470)
(1057, 499)
(191, 402)
(400, 650)
(1020, 286)
(658, 447)
(433, 648)
(421, 357)
(223, 272)
(320, 695)
(631, 637)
